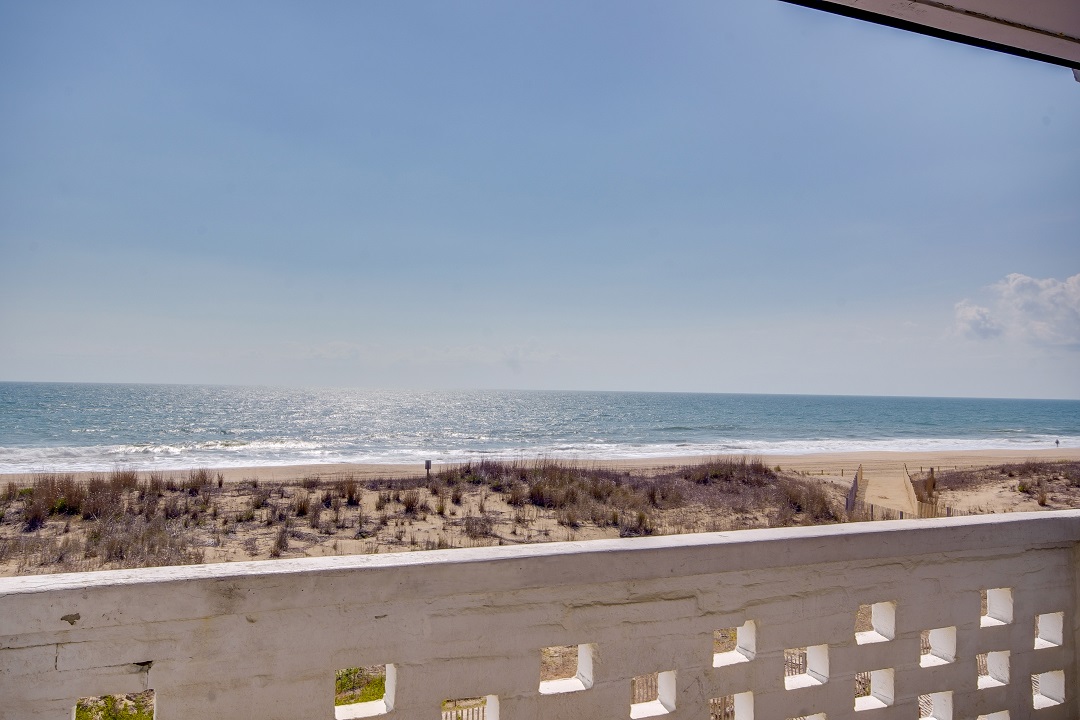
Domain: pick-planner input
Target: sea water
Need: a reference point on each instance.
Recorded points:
(68, 426)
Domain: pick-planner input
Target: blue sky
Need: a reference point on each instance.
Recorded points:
(744, 196)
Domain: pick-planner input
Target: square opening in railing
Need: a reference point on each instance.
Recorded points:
(472, 708)
(936, 706)
(1048, 689)
(1000, 715)
(739, 706)
(806, 666)
(937, 646)
(875, 623)
(993, 669)
(361, 692)
(997, 607)
(652, 695)
(132, 706)
(1049, 630)
(734, 645)
(566, 668)
(874, 689)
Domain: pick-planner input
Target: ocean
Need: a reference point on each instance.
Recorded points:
(60, 427)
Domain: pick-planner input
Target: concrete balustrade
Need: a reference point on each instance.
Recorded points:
(264, 639)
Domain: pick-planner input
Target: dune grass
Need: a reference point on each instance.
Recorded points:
(124, 519)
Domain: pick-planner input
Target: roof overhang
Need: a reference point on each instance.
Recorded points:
(1046, 30)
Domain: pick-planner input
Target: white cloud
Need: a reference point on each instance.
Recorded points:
(1042, 312)
(976, 321)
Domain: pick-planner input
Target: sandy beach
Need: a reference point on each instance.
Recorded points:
(831, 465)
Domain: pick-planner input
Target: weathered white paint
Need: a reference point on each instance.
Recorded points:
(263, 639)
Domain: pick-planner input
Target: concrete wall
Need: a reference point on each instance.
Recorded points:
(263, 639)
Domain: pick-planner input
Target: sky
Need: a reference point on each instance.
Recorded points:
(738, 196)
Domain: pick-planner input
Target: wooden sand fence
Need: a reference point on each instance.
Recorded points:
(926, 506)
(478, 712)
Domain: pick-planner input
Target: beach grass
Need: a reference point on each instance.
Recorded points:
(60, 523)
(64, 523)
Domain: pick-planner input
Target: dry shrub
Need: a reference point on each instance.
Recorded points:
(45, 554)
(59, 494)
(198, 480)
(124, 479)
(259, 498)
(1029, 468)
(807, 500)
(35, 513)
(156, 483)
(281, 542)
(173, 508)
(635, 525)
(518, 495)
(103, 498)
(412, 502)
(350, 490)
(554, 491)
(568, 517)
(478, 526)
(744, 470)
(663, 493)
(1070, 472)
(132, 541)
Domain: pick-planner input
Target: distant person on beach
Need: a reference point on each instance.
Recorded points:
(1057, 443)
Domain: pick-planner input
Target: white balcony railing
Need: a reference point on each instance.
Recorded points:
(264, 639)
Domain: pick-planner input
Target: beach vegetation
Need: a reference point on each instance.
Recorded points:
(478, 526)
(281, 542)
(357, 685)
(411, 502)
(124, 479)
(197, 480)
(137, 706)
(56, 522)
(350, 490)
(259, 497)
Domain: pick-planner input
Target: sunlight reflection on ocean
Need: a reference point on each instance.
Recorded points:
(67, 427)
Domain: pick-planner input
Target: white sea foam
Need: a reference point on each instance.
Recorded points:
(57, 427)
(298, 452)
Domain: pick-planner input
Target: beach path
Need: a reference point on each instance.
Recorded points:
(887, 488)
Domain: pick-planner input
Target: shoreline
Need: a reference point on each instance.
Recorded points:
(831, 464)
